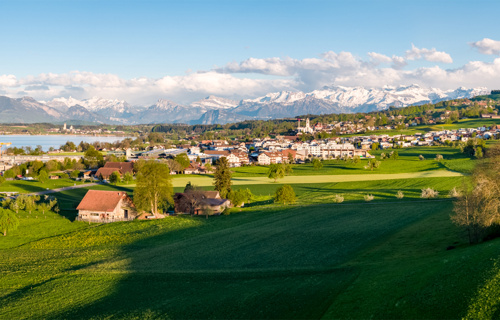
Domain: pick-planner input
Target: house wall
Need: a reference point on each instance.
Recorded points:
(116, 215)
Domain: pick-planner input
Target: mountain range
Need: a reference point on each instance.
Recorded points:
(212, 110)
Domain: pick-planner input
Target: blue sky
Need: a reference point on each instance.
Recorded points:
(145, 50)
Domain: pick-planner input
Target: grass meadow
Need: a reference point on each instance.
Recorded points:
(384, 259)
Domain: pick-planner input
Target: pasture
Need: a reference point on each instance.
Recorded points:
(315, 261)
(389, 258)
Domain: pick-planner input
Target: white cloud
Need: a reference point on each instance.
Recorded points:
(487, 46)
(8, 80)
(431, 55)
(276, 74)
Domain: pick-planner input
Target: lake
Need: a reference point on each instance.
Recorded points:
(55, 141)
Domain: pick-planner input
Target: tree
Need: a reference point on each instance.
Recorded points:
(43, 176)
(240, 197)
(74, 174)
(189, 186)
(477, 207)
(317, 164)
(8, 221)
(153, 187)
(394, 155)
(183, 160)
(128, 177)
(285, 194)
(114, 178)
(93, 158)
(193, 199)
(208, 167)
(222, 176)
(372, 164)
(276, 171)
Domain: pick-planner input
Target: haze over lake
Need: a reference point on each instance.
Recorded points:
(55, 141)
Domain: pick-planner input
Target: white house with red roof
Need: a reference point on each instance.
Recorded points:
(106, 206)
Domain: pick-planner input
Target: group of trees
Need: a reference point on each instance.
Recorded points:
(11, 207)
(477, 206)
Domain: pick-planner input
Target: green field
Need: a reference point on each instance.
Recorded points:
(23, 186)
(317, 261)
(385, 259)
(462, 123)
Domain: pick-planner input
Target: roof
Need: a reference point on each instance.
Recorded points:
(101, 201)
(106, 172)
(123, 166)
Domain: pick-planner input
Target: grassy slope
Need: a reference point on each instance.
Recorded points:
(35, 186)
(347, 261)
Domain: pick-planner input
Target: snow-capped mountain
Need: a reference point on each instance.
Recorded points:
(214, 103)
(93, 104)
(335, 99)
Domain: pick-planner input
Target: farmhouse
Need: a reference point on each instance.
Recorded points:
(200, 200)
(106, 206)
(123, 167)
(105, 173)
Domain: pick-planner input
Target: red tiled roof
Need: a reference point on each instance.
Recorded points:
(101, 201)
(123, 166)
(106, 172)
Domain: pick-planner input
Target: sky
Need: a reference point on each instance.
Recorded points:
(141, 51)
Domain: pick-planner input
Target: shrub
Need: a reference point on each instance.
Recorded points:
(428, 193)
(400, 194)
(285, 194)
(383, 156)
(421, 157)
(372, 164)
(338, 198)
(439, 157)
(394, 155)
(454, 193)
(369, 197)
(227, 211)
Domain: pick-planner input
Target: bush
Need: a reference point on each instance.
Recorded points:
(240, 197)
(400, 194)
(454, 193)
(439, 157)
(369, 197)
(285, 194)
(429, 193)
(421, 157)
(338, 198)
(227, 211)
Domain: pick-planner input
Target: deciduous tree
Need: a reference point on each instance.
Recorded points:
(285, 194)
(317, 164)
(153, 187)
(8, 221)
(114, 178)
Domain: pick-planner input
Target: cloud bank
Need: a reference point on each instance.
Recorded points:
(237, 80)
